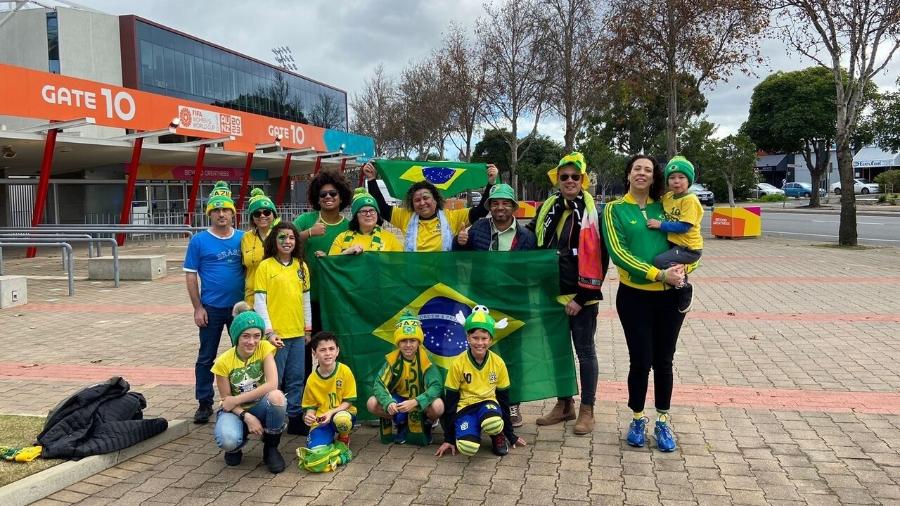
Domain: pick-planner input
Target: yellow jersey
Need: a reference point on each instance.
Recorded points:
(686, 208)
(428, 237)
(284, 286)
(252, 252)
(378, 240)
(326, 393)
(476, 383)
(244, 375)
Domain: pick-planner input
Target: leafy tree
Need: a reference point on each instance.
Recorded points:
(885, 120)
(729, 163)
(706, 39)
(537, 155)
(794, 112)
(606, 163)
(852, 38)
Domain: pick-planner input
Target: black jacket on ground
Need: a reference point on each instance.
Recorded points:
(99, 419)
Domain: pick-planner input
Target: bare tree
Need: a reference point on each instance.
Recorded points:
(327, 112)
(462, 73)
(511, 41)
(855, 39)
(423, 109)
(573, 50)
(707, 39)
(372, 109)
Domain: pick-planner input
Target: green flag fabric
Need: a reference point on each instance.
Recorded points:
(450, 178)
(362, 298)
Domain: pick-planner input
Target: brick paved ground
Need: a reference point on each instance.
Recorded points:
(786, 393)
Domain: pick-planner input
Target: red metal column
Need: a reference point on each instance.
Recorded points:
(244, 183)
(198, 171)
(125, 215)
(343, 165)
(318, 166)
(285, 177)
(40, 201)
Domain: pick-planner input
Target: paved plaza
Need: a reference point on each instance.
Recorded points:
(786, 392)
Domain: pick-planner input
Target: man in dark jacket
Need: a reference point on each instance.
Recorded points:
(499, 232)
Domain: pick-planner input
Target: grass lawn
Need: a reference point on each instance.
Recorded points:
(21, 431)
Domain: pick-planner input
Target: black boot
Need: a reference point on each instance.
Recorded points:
(233, 458)
(297, 426)
(273, 459)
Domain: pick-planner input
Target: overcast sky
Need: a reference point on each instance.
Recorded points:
(340, 42)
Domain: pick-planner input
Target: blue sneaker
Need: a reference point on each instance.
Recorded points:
(637, 432)
(665, 438)
(400, 436)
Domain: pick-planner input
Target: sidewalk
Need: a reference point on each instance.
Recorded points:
(786, 392)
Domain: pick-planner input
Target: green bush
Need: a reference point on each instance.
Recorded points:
(888, 181)
(775, 197)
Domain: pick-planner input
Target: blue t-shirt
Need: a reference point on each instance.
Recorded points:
(218, 263)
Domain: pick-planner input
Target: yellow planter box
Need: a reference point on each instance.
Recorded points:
(737, 222)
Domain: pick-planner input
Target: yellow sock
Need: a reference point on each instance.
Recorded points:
(662, 416)
(638, 415)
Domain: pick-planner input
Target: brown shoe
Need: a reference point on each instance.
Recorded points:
(564, 410)
(585, 423)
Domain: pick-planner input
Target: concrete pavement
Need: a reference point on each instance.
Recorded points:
(786, 393)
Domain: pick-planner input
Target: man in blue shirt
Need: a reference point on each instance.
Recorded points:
(213, 258)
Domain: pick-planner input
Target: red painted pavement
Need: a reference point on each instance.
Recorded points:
(614, 391)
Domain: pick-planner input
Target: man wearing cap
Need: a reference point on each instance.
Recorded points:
(498, 232)
(568, 222)
(213, 260)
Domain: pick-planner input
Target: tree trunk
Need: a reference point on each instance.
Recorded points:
(514, 161)
(730, 186)
(671, 148)
(847, 234)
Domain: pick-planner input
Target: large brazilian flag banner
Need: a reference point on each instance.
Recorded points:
(362, 298)
(449, 178)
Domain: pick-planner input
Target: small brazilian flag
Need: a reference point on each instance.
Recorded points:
(362, 298)
(450, 178)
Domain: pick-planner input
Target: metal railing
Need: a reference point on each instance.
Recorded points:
(68, 251)
(69, 240)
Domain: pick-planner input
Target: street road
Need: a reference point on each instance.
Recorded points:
(882, 230)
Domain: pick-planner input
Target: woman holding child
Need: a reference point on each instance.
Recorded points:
(646, 303)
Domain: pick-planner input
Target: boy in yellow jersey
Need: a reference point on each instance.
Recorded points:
(329, 394)
(477, 392)
(407, 387)
(684, 213)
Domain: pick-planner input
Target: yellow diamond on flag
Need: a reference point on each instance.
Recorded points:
(437, 309)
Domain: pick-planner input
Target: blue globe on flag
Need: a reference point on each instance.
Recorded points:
(438, 175)
(444, 336)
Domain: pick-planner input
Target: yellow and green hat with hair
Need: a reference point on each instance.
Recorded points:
(575, 159)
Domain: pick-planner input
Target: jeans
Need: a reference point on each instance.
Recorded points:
(582, 327)
(217, 317)
(676, 255)
(229, 432)
(291, 373)
(651, 322)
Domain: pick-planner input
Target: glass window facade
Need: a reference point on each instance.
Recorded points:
(174, 65)
(53, 42)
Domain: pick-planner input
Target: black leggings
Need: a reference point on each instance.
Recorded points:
(651, 322)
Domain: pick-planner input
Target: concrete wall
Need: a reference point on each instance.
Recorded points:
(23, 42)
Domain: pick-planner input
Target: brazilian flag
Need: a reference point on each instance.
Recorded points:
(362, 298)
(450, 178)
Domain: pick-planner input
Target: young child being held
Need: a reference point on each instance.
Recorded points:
(407, 387)
(329, 395)
(247, 381)
(282, 299)
(477, 392)
(683, 216)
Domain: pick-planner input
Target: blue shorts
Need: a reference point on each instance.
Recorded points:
(323, 434)
(468, 422)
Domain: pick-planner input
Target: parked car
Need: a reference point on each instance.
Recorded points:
(859, 186)
(763, 189)
(705, 196)
(798, 190)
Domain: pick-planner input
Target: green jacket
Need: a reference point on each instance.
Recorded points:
(631, 245)
(430, 382)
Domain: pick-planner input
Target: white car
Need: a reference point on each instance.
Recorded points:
(763, 189)
(859, 186)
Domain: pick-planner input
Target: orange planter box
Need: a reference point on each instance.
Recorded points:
(737, 222)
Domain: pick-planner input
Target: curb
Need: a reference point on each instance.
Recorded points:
(38, 486)
(836, 210)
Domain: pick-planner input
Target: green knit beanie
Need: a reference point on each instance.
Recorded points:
(220, 197)
(680, 164)
(503, 191)
(362, 198)
(244, 318)
(259, 200)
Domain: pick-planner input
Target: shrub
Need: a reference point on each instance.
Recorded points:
(888, 181)
(775, 197)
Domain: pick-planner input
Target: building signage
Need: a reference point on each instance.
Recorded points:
(41, 95)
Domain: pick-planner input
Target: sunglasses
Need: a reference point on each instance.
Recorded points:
(328, 193)
(262, 212)
(573, 177)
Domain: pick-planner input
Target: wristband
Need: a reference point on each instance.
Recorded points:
(243, 415)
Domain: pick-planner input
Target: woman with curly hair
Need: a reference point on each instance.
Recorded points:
(425, 225)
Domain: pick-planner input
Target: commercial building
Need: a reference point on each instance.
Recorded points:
(237, 118)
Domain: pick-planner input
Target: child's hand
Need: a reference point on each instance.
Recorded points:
(651, 223)
(444, 448)
(392, 409)
(307, 336)
(408, 405)
(325, 418)
(253, 424)
(309, 418)
(276, 341)
(519, 442)
(229, 403)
